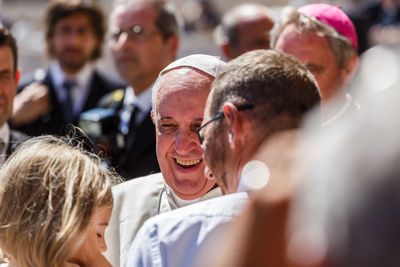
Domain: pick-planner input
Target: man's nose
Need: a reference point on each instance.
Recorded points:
(122, 41)
(186, 141)
(102, 244)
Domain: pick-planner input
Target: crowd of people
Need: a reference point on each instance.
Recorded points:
(262, 159)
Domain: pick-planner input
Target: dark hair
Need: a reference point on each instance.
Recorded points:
(61, 9)
(277, 84)
(232, 22)
(166, 21)
(7, 39)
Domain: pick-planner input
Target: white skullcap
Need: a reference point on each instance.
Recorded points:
(205, 63)
(208, 64)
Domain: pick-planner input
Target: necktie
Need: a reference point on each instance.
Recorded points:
(132, 128)
(68, 104)
(132, 120)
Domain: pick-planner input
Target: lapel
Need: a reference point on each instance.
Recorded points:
(144, 136)
(56, 113)
(16, 138)
(97, 88)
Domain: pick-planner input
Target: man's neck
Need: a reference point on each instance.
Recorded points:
(71, 73)
(141, 86)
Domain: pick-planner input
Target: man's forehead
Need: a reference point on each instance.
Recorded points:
(184, 79)
(136, 13)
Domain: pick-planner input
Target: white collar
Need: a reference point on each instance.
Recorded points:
(82, 78)
(178, 201)
(341, 112)
(5, 133)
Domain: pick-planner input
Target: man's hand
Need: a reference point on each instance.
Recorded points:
(30, 104)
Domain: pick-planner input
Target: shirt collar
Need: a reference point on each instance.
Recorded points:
(142, 101)
(5, 133)
(81, 78)
(178, 202)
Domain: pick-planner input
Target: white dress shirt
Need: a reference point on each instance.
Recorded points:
(79, 92)
(142, 102)
(5, 138)
(175, 238)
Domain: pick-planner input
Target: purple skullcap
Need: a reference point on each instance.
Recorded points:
(334, 17)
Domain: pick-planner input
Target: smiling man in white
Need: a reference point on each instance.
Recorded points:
(255, 96)
(179, 98)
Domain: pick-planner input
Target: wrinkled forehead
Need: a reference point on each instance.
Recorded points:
(192, 82)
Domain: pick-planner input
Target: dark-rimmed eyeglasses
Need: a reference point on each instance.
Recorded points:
(220, 115)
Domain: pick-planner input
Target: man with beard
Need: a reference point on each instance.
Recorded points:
(74, 35)
(144, 40)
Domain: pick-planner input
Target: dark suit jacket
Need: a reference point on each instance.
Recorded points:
(54, 122)
(140, 158)
(16, 138)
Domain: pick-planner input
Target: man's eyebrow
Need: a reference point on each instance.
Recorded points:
(5, 72)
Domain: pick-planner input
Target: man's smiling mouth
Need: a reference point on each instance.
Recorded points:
(188, 163)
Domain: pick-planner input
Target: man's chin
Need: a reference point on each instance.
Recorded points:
(188, 190)
(73, 66)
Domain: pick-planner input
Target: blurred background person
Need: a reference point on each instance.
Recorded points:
(341, 210)
(55, 202)
(74, 37)
(347, 209)
(179, 97)
(144, 40)
(9, 78)
(199, 15)
(323, 37)
(243, 28)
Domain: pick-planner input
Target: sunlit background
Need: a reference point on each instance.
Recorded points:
(25, 19)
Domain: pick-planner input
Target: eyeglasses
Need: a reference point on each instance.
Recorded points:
(220, 115)
(135, 33)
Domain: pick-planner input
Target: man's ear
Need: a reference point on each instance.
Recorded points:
(227, 50)
(234, 125)
(351, 68)
(173, 45)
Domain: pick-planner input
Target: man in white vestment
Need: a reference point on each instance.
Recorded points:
(257, 95)
(178, 101)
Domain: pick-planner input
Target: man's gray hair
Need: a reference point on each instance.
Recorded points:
(341, 47)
